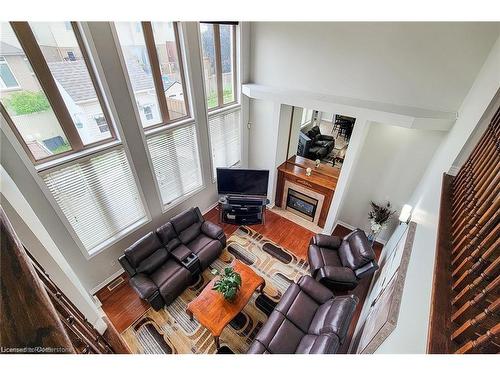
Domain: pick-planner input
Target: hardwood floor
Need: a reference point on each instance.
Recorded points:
(122, 305)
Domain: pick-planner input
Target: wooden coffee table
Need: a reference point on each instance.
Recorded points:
(214, 312)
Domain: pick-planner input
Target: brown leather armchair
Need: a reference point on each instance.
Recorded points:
(339, 263)
(309, 319)
(162, 265)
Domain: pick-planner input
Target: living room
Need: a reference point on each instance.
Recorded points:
(188, 187)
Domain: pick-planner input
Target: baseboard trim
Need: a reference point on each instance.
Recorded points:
(209, 208)
(101, 285)
(351, 227)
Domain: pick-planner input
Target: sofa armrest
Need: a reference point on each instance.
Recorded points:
(212, 230)
(314, 289)
(366, 270)
(143, 285)
(338, 274)
(324, 240)
(126, 265)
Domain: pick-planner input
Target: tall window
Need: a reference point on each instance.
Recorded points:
(50, 93)
(218, 47)
(151, 51)
(51, 98)
(153, 59)
(218, 50)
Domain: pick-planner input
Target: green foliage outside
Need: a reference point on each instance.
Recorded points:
(228, 97)
(62, 148)
(26, 102)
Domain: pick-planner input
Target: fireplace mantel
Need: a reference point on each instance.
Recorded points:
(323, 181)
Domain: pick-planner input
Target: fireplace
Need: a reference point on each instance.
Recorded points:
(301, 204)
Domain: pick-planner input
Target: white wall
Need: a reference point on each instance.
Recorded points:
(391, 163)
(263, 136)
(410, 335)
(427, 65)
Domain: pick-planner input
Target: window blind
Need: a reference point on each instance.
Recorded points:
(176, 162)
(225, 139)
(98, 196)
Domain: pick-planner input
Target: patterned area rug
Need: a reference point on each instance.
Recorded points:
(169, 331)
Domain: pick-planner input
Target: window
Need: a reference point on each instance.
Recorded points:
(218, 50)
(153, 60)
(59, 109)
(176, 162)
(101, 123)
(225, 139)
(51, 113)
(148, 112)
(7, 79)
(98, 196)
(218, 47)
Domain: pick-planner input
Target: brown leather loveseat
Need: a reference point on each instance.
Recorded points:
(309, 319)
(162, 264)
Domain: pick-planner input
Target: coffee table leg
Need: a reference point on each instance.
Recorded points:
(217, 343)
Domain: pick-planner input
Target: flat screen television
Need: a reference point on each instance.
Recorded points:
(242, 181)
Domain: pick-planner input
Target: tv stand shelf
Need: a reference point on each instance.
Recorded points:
(242, 210)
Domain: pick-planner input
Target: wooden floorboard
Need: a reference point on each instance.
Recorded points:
(123, 306)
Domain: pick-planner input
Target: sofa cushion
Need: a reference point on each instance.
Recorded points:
(322, 344)
(198, 243)
(209, 253)
(175, 285)
(184, 220)
(334, 316)
(166, 233)
(190, 233)
(142, 248)
(279, 335)
(165, 271)
(152, 262)
(298, 307)
(320, 256)
(355, 250)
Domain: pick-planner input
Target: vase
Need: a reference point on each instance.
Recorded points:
(372, 236)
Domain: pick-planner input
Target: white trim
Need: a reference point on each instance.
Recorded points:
(350, 227)
(344, 224)
(454, 169)
(102, 284)
(387, 113)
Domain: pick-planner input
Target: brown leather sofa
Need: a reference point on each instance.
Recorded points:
(162, 265)
(309, 319)
(339, 263)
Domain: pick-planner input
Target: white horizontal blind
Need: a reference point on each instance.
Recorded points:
(176, 162)
(98, 196)
(225, 139)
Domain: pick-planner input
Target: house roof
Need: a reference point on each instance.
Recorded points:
(73, 77)
(7, 49)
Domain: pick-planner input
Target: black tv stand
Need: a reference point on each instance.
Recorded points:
(242, 210)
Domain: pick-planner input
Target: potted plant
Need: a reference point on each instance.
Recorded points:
(379, 216)
(228, 284)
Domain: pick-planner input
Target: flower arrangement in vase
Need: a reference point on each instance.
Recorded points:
(228, 284)
(379, 216)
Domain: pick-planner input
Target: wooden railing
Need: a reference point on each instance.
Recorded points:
(466, 301)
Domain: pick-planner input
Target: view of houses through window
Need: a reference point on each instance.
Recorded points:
(158, 84)
(26, 100)
(218, 50)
